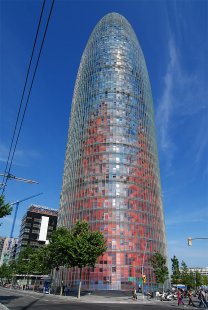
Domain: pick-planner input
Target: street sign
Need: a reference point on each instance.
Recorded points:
(132, 279)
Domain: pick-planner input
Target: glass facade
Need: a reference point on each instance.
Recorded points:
(111, 173)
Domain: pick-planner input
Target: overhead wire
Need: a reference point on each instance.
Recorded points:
(24, 88)
(7, 172)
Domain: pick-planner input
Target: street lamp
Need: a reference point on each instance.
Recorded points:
(26, 259)
(190, 244)
(143, 275)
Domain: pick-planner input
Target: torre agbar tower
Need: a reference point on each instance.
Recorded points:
(111, 173)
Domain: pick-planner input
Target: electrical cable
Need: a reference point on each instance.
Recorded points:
(28, 97)
(20, 106)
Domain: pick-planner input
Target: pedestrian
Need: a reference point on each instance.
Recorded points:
(202, 300)
(180, 301)
(134, 294)
(206, 297)
(190, 294)
(67, 290)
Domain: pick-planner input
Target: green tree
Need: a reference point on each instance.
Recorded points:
(85, 248)
(5, 273)
(78, 247)
(58, 248)
(31, 261)
(175, 271)
(160, 268)
(13, 266)
(185, 276)
(199, 279)
(24, 263)
(58, 251)
(205, 280)
(191, 279)
(5, 208)
(40, 261)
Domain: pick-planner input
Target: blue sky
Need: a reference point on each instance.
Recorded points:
(174, 39)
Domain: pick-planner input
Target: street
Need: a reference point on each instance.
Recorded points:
(20, 300)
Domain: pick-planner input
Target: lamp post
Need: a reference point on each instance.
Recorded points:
(26, 259)
(190, 239)
(144, 276)
(195, 280)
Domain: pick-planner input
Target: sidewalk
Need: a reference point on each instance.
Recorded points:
(117, 297)
(112, 297)
(93, 297)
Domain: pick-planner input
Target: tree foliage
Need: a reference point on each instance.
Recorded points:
(58, 248)
(176, 275)
(24, 262)
(5, 208)
(198, 279)
(78, 247)
(185, 275)
(29, 261)
(5, 273)
(39, 261)
(190, 279)
(160, 268)
(204, 279)
(86, 246)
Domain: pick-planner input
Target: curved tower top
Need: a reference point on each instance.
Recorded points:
(111, 173)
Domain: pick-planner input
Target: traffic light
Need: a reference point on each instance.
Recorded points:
(189, 241)
(144, 278)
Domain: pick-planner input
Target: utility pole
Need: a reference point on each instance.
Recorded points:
(143, 275)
